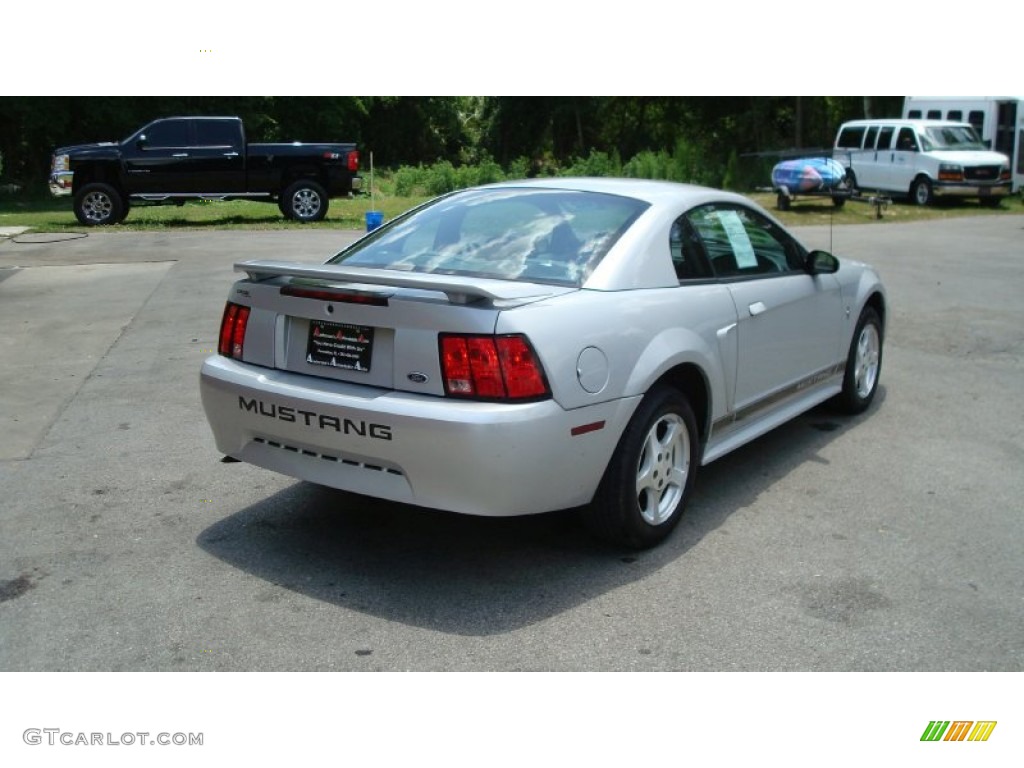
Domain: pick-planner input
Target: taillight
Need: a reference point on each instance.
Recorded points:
(491, 368)
(232, 330)
(353, 160)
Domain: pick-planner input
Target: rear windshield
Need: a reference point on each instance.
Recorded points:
(532, 235)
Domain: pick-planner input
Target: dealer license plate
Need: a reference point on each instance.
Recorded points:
(340, 345)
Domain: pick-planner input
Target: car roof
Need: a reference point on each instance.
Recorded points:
(655, 193)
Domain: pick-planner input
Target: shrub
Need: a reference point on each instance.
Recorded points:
(595, 164)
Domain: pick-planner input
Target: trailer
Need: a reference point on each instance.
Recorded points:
(814, 173)
(816, 176)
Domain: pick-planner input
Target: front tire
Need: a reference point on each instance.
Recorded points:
(863, 364)
(921, 191)
(651, 474)
(98, 205)
(304, 201)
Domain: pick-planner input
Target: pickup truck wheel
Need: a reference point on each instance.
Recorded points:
(304, 201)
(98, 204)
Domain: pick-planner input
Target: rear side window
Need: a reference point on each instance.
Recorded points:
(217, 133)
(977, 118)
(850, 137)
(934, 114)
(955, 114)
(869, 138)
(529, 234)
(885, 137)
(914, 114)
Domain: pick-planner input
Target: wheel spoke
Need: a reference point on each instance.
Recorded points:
(662, 469)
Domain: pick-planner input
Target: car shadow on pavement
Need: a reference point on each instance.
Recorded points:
(477, 576)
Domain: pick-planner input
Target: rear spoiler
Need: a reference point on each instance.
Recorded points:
(460, 290)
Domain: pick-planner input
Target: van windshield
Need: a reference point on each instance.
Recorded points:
(951, 137)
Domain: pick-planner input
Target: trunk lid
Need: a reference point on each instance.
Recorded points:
(375, 327)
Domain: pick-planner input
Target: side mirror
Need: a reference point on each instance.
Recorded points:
(822, 263)
(140, 143)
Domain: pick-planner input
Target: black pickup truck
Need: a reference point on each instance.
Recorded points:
(201, 158)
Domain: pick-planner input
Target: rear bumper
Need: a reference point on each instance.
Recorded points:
(489, 459)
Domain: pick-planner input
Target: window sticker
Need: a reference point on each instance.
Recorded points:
(738, 239)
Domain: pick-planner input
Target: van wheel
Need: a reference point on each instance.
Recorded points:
(851, 181)
(921, 191)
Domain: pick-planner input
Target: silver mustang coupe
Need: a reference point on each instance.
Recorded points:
(538, 345)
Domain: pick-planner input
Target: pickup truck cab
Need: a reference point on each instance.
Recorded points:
(923, 159)
(201, 158)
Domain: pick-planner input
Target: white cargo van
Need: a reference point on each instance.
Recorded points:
(923, 159)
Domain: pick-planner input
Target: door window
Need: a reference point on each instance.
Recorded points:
(741, 243)
(168, 133)
(688, 257)
(906, 140)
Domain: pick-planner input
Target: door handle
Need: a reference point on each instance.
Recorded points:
(757, 308)
(180, 154)
(230, 154)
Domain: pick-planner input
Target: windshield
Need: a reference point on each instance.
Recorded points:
(534, 235)
(951, 137)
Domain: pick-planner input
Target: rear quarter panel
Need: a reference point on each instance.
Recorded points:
(641, 334)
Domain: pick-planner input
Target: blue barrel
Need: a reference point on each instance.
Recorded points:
(373, 220)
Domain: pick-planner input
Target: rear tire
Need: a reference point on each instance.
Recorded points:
(650, 477)
(304, 201)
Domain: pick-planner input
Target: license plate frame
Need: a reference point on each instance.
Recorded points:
(343, 346)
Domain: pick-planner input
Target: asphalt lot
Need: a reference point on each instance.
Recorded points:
(891, 541)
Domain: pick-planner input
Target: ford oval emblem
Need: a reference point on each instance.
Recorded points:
(418, 378)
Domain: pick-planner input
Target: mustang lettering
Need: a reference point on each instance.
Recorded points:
(311, 418)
